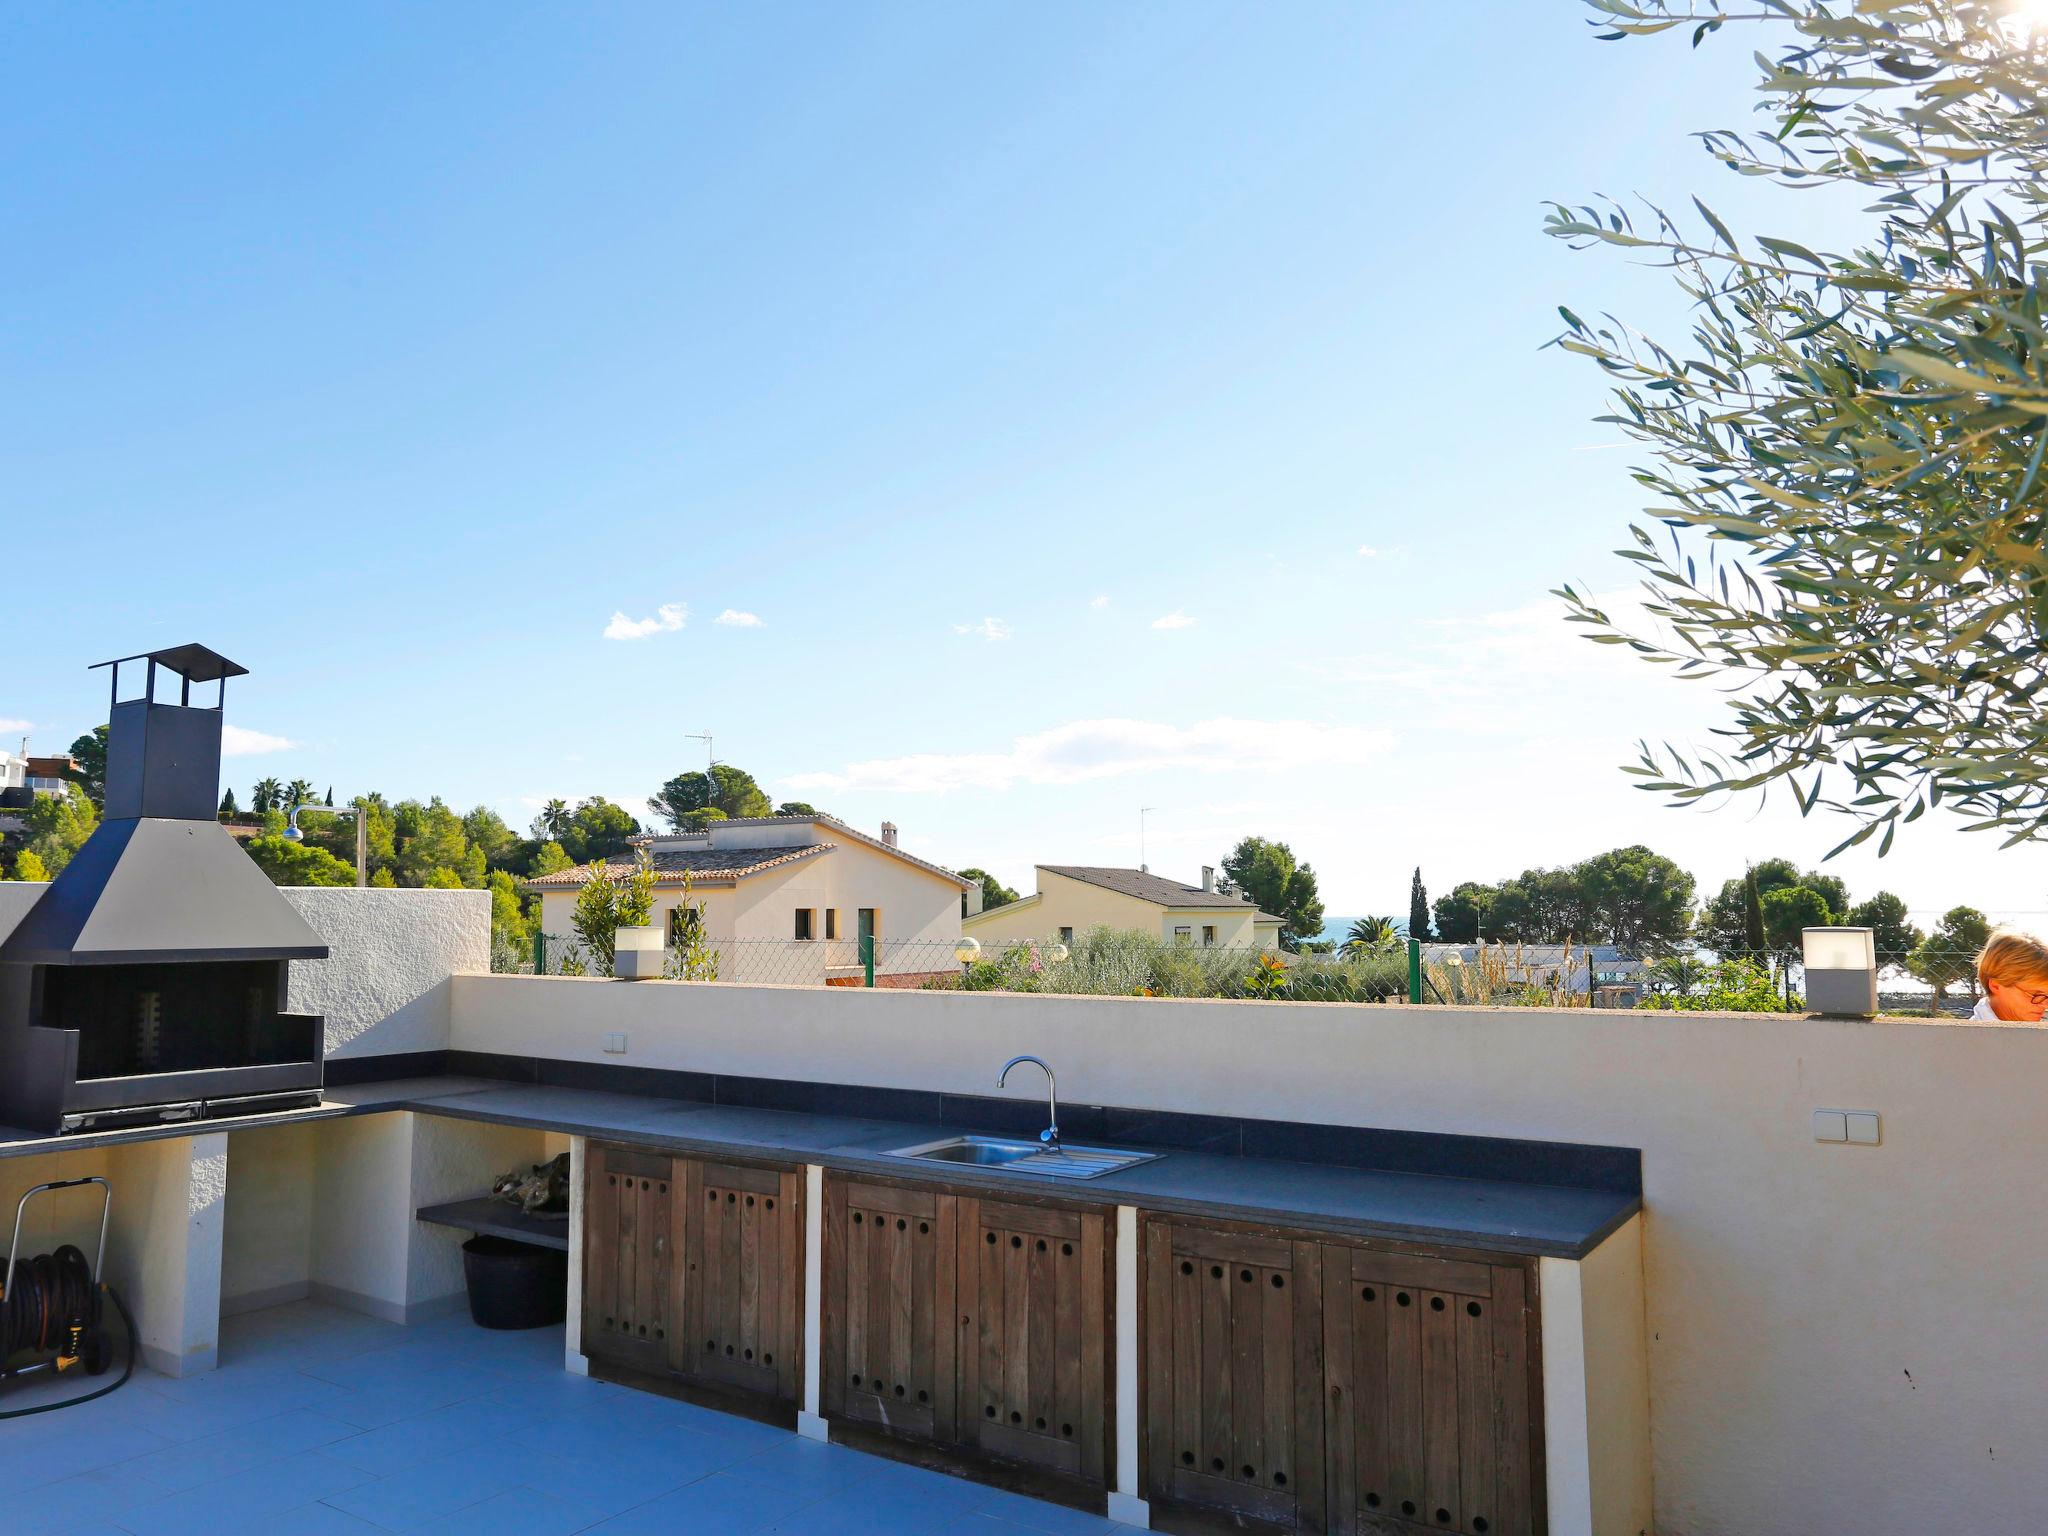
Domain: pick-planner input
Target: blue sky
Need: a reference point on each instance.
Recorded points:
(394, 352)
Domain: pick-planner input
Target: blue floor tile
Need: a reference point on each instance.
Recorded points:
(251, 1500)
(425, 1491)
(456, 1427)
(730, 1505)
(58, 1509)
(520, 1512)
(320, 1423)
(806, 1464)
(1039, 1515)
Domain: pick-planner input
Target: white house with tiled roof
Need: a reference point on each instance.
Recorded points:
(789, 898)
(1073, 898)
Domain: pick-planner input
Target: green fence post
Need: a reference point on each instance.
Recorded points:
(1415, 970)
(867, 957)
(540, 953)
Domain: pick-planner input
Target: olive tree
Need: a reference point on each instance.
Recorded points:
(1846, 454)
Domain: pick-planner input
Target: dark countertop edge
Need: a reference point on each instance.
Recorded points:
(1080, 1192)
(336, 1103)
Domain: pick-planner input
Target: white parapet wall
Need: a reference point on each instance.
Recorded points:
(1839, 1336)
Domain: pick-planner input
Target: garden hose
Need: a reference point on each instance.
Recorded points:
(50, 1303)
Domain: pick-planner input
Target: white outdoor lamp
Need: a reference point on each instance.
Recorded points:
(637, 954)
(292, 834)
(1058, 953)
(1841, 971)
(967, 951)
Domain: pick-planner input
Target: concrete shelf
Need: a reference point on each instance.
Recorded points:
(497, 1218)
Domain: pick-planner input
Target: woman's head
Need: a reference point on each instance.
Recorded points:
(2014, 971)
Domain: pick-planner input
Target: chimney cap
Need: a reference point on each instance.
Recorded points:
(889, 833)
(195, 663)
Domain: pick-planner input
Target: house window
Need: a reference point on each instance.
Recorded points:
(1183, 935)
(831, 922)
(1067, 936)
(869, 923)
(806, 921)
(1208, 935)
(685, 924)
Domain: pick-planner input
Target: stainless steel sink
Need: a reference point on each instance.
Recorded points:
(1062, 1162)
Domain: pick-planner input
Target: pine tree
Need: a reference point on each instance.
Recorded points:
(1418, 907)
(330, 794)
(227, 803)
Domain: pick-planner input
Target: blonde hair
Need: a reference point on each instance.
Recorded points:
(2012, 958)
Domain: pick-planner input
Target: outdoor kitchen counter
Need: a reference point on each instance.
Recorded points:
(1494, 1215)
(1497, 1215)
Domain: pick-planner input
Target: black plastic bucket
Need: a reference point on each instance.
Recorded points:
(515, 1285)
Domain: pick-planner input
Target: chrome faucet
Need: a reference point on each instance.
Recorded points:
(1051, 1134)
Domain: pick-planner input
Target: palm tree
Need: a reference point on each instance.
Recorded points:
(298, 792)
(554, 819)
(265, 795)
(1369, 933)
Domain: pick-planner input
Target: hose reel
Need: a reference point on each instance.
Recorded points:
(52, 1306)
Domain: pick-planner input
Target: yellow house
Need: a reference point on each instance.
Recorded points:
(789, 898)
(1072, 898)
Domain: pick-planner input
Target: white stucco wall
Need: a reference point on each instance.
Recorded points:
(382, 987)
(362, 1221)
(1839, 1336)
(267, 1242)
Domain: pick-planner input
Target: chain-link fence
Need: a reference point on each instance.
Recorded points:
(1111, 963)
(1100, 964)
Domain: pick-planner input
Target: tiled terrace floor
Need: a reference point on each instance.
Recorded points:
(320, 1422)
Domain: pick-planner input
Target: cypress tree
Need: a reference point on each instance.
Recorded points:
(227, 803)
(1753, 941)
(1418, 907)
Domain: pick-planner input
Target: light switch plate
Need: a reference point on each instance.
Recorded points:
(1830, 1125)
(615, 1044)
(1863, 1128)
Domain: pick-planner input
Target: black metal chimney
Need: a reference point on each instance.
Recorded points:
(164, 759)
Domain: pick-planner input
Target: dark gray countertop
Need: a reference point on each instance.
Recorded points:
(1496, 1215)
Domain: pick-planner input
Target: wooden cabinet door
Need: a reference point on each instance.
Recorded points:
(741, 1282)
(628, 1237)
(1234, 1374)
(889, 1308)
(1431, 1394)
(1033, 1325)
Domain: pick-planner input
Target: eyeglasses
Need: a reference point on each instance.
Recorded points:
(2034, 999)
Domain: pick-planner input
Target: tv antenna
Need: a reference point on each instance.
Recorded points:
(710, 762)
(1143, 812)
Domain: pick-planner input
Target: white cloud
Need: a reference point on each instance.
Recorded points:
(668, 616)
(1099, 601)
(988, 629)
(1100, 749)
(9, 726)
(1366, 551)
(733, 618)
(237, 741)
(1178, 619)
